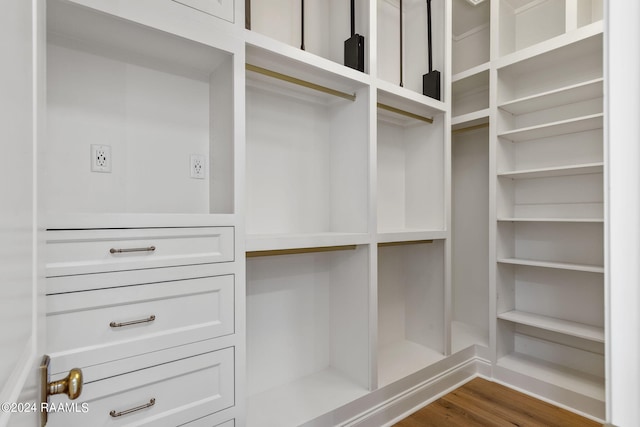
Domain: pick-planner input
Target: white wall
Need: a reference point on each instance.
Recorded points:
(624, 211)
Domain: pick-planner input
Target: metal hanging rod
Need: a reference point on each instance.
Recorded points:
(408, 242)
(404, 113)
(299, 82)
(470, 128)
(253, 254)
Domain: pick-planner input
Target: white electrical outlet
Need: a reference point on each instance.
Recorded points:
(198, 166)
(101, 158)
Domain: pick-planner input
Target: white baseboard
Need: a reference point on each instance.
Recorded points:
(394, 402)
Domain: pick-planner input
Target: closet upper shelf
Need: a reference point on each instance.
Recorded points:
(283, 59)
(553, 98)
(549, 53)
(405, 99)
(562, 127)
(277, 242)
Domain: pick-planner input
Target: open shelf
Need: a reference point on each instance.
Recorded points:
(307, 334)
(470, 239)
(415, 58)
(403, 358)
(566, 62)
(575, 329)
(555, 265)
(407, 236)
(580, 124)
(464, 335)
(307, 157)
(565, 95)
(137, 94)
(524, 23)
(570, 243)
(470, 94)
(556, 196)
(297, 402)
(556, 374)
(410, 168)
(583, 169)
(408, 100)
(410, 309)
(470, 119)
(327, 25)
(275, 242)
(588, 220)
(470, 33)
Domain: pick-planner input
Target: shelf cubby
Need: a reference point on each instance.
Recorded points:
(561, 375)
(410, 174)
(556, 196)
(470, 94)
(569, 94)
(524, 23)
(307, 155)
(307, 334)
(471, 35)
(410, 168)
(152, 100)
(588, 12)
(537, 78)
(558, 300)
(326, 25)
(415, 58)
(561, 127)
(410, 309)
(470, 239)
(579, 243)
(556, 155)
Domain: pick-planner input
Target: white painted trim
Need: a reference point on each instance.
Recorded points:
(547, 400)
(362, 419)
(528, 6)
(470, 32)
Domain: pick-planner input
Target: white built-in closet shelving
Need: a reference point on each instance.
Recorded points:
(346, 213)
(383, 248)
(160, 98)
(549, 200)
(471, 67)
(143, 265)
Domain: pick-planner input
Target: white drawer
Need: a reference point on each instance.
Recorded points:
(126, 317)
(71, 252)
(221, 8)
(175, 388)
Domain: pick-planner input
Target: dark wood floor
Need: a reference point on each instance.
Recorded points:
(484, 403)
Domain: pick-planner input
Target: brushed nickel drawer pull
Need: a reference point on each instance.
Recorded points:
(133, 322)
(115, 414)
(122, 251)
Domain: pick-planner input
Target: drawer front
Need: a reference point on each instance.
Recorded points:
(221, 8)
(148, 395)
(121, 316)
(95, 251)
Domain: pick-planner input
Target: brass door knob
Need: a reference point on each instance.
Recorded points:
(71, 385)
